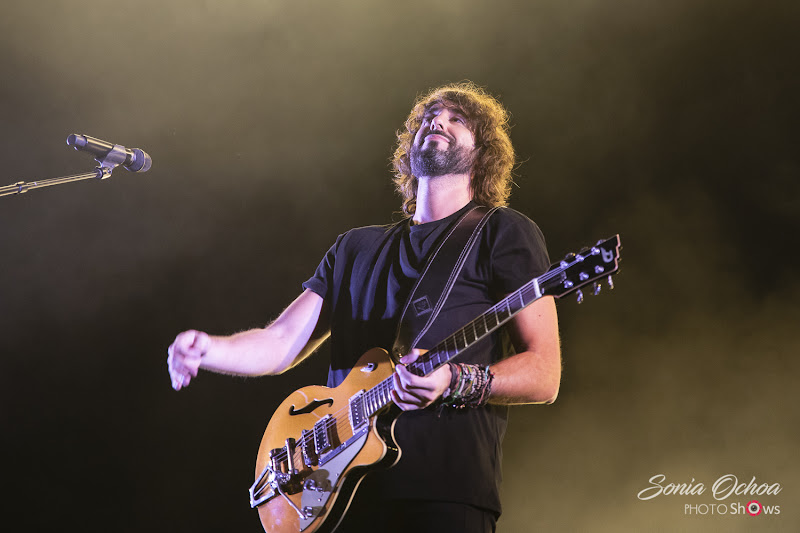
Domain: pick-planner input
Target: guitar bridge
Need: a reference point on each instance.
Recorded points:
(317, 487)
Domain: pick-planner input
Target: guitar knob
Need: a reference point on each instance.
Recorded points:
(580, 296)
(596, 288)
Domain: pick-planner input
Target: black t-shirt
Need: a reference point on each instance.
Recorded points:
(366, 277)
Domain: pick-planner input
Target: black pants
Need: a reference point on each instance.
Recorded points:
(418, 517)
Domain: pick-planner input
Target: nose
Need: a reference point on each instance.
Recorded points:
(437, 123)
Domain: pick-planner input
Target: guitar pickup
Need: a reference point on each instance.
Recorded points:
(325, 435)
(358, 415)
(308, 446)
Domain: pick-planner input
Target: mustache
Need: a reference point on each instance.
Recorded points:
(443, 134)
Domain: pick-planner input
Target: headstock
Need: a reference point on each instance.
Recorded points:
(590, 265)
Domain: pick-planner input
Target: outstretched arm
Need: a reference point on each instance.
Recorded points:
(294, 335)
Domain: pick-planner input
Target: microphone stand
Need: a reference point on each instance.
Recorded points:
(108, 163)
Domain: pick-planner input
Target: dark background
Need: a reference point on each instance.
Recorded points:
(271, 125)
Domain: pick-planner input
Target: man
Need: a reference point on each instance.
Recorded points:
(454, 153)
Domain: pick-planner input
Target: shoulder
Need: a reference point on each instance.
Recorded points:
(506, 221)
(509, 215)
(365, 237)
(516, 248)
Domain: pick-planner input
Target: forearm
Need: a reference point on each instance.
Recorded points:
(527, 377)
(533, 374)
(296, 333)
(256, 352)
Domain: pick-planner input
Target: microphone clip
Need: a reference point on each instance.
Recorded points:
(115, 157)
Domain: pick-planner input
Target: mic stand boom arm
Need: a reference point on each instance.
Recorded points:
(21, 187)
(107, 164)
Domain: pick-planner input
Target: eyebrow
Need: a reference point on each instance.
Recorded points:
(452, 109)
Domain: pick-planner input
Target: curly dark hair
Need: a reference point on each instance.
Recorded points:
(491, 175)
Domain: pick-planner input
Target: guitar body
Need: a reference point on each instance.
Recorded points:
(324, 489)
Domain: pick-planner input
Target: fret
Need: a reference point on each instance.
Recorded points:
(483, 329)
(450, 352)
(427, 367)
(503, 314)
(375, 395)
(458, 342)
(514, 303)
(469, 334)
(436, 358)
(530, 293)
(380, 394)
(491, 320)
(376, 399)
(433, 360)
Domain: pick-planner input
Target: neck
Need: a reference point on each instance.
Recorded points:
(441, 196)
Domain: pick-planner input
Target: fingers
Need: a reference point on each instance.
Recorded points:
(178, 372)
(405, 406)
(184, 356)
(417, 392)
(411, 357)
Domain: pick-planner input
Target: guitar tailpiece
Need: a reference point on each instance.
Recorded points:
(300, 513)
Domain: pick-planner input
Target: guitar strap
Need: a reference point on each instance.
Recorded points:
(418, 314)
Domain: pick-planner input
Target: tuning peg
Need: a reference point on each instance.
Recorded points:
(580, 296)
(596, 288)
(610, 283)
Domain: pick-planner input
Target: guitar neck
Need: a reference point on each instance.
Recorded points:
(483, 326)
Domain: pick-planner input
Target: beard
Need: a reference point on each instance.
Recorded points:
(432, 162)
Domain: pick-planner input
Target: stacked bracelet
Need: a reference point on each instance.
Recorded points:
(470, 386)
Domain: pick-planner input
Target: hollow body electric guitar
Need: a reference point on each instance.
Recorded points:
(321, 441)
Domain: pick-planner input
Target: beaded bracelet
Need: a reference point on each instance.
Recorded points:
(470, 386)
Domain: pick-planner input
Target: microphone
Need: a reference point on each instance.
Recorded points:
(135, 160)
